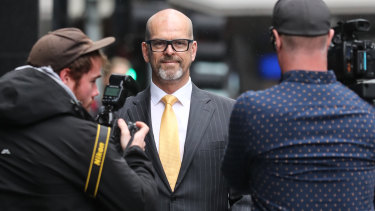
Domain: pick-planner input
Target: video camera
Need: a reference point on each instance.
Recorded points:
(353, 60)
(115, 93)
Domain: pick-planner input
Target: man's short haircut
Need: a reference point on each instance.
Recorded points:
(83, 64)
(292, 43)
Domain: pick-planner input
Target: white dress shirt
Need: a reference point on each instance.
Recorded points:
(181, 108)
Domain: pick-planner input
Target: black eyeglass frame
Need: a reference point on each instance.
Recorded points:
(169, 42)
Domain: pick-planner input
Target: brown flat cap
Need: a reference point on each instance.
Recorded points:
(61, 47)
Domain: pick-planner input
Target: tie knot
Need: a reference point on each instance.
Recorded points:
(169, 99)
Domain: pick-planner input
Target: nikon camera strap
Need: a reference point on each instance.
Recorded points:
(97, 160)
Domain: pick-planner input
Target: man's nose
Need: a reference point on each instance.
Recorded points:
(95, 91)
(169, 50)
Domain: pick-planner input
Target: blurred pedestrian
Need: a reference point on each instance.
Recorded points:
(117, 65)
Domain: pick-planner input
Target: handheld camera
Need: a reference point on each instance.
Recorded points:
(115, 93)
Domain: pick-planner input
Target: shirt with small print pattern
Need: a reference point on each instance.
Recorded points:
(307, 143)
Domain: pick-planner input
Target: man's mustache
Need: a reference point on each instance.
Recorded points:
(170, 59)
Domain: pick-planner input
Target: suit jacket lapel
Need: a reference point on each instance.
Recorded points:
(141, 111)
(199, 117)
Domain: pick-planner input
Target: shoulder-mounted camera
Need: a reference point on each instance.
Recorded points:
(353, 59)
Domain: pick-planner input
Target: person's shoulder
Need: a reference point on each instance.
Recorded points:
(221, 98)
(77, 124)
(69, 129)
(140, 97)
(21, 73)
(251, 96)
(216, 97)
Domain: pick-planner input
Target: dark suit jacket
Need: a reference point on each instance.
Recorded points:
(200, 184)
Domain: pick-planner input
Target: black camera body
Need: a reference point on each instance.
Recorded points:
(353, 60)
(115, 93)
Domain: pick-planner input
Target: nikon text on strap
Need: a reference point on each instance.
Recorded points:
(97, 160)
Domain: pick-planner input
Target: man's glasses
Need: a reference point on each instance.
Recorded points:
(179, 45)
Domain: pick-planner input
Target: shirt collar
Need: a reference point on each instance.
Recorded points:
(315, 77)
(183, 94)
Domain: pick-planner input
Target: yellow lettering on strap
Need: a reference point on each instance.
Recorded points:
(97, 160)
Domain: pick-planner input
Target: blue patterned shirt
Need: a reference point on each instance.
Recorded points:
(307, 143)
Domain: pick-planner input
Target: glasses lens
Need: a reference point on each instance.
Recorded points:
(158, 45)
(180, 45)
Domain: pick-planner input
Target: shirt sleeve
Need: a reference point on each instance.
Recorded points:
(235, 161)
(126, 181)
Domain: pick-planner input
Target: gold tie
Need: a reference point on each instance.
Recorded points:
(169, 145)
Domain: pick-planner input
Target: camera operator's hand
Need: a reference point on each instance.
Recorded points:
(139, 136)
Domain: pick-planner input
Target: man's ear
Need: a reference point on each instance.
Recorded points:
(66, 78)
(194, 48)
(331, 33)
(277, 40)
(64, 75)
(145, 52)
(272, 38)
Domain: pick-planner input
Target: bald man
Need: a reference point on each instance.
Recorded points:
(202, 120)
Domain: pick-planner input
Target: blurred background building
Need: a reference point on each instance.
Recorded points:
(234, 51)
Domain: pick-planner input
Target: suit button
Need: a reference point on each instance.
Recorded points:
(173, 198)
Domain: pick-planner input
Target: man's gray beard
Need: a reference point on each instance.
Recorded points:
(169, 77)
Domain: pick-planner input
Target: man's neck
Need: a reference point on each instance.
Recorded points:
(172, 86)
(310, 62)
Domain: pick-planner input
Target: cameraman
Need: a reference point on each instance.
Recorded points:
(52, 155)
(309, 142)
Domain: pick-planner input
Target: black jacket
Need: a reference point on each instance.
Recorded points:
(48, 150)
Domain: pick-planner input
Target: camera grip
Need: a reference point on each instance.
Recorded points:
(132, 129)
(117, 134)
